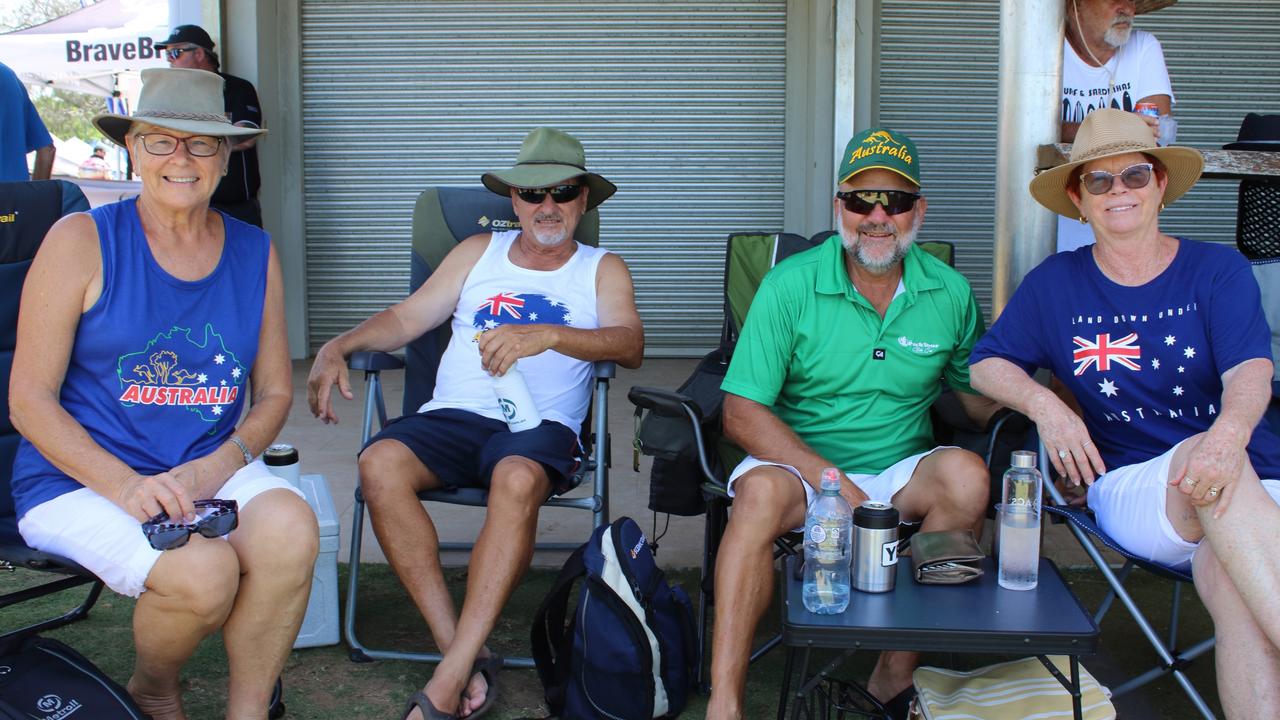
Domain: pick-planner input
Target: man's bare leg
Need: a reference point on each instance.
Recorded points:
(948, 491)
(768, 503)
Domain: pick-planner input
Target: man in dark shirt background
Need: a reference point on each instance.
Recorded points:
(189, 46)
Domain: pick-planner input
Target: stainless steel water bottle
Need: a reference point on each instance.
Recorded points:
(875, 547)
(282, 460)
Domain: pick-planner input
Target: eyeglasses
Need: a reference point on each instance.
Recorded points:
(176, 52)
(197, 145)
(863, 202)
(560, 194)
(1099, 182)
(164, 535)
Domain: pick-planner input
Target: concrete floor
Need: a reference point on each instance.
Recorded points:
(330, 450)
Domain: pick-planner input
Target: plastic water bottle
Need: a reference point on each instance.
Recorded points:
(1020, 524)
(828, 533)
(515, 400)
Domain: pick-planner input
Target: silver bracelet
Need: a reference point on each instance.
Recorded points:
(248, 456)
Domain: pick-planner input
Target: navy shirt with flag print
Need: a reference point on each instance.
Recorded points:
(1144, 362)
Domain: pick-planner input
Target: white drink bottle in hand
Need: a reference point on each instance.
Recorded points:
(515, 400)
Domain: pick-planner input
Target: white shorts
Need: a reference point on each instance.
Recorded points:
(108, 541)
(881, 487)
(1129, 503)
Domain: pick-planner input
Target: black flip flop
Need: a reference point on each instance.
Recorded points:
(488, 667)
(900, 706)
(420, 701)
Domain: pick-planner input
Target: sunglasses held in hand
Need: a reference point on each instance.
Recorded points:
(221, 519)
(863, 202)
(560, 194)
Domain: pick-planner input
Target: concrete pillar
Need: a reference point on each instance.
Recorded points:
(1030, 85)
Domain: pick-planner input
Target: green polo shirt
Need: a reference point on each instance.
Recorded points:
(855, 388)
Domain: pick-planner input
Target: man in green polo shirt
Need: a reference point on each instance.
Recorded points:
(837, 365)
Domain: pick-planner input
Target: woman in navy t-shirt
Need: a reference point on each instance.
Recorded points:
(145, 326)
(1163, 343)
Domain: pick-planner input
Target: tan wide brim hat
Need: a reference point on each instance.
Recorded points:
(1106, 133)
(180, 99)
(549, 157)
(1146, 6)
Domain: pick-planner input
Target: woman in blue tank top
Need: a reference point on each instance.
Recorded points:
(144, 327)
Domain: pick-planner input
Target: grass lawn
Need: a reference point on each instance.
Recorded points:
(322, 684)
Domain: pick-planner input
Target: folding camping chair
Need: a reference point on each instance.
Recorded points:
(1172, 660)
(443, 217)
(696, 412)
(34, 207)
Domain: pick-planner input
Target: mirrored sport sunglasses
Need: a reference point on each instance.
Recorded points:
(560, 194)
(176, 52)
(862, 202)
(221, 519)
(1100, 182)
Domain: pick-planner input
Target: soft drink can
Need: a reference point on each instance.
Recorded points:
(1148, 109)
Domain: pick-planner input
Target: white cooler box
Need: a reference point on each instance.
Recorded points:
(320, 625)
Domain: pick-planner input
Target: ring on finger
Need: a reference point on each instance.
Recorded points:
(1189, 481)
(1213, 491)
(1062, 454)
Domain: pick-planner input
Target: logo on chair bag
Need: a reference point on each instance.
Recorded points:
(54, 708)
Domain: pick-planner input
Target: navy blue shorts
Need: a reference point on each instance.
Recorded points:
(462, 448)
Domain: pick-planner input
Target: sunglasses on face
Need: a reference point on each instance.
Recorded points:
(175, 53)
(560, 194)
(863, 202)
(1099, 182)
(197, 145)
(221, 519)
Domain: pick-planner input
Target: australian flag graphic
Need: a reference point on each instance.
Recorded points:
(520, 309)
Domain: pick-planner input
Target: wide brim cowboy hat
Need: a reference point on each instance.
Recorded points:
(181, 99)
(1146, 6)
(1106, 133)
(549, 157)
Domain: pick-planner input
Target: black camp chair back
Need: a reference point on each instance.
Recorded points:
(442, 218)
(27, 211)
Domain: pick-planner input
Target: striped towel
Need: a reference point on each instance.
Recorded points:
(1017, 690)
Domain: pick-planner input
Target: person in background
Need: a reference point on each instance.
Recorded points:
(96, 167)
(21, 132)
(189, 46)
(1107, 63)
(1163, 342)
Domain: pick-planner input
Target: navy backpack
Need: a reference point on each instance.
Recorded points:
(627, 652)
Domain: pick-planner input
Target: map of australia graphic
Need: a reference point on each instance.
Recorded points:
(176, 368)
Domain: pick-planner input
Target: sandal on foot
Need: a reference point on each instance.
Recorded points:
(900, 706)
(420, 701)
(487, 667)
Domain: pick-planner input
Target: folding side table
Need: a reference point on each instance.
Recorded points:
(976, 617)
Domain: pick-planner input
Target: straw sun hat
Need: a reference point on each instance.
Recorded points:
(1146, 6)
(1107, 133)
(549, 157)
(188, 101)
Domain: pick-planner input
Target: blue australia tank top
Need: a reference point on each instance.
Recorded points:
(159, 370)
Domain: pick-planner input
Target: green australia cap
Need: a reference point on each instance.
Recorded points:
(880, 148)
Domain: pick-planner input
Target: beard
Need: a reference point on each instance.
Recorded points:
(1118, 33)
(546, 237)
(857, 249)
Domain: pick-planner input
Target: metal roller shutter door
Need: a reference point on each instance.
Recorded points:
(938, 84)
(681, 104)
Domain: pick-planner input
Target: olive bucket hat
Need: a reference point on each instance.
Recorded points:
(188, 101)
(549, 157)
(1106, 133)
